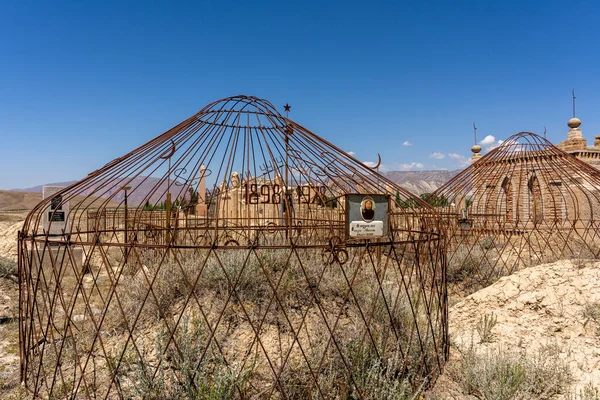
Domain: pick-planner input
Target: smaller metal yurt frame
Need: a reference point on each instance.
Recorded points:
(245, 257)
(524, 203)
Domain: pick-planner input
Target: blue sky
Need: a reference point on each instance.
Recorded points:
(82, 84)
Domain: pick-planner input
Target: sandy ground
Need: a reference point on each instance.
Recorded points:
(10, 224)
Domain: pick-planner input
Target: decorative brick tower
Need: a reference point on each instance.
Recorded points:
(575, 140)
(576, 144)
(476, 150)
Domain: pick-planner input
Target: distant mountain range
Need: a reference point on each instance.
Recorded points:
(38, 189)
(417, 182)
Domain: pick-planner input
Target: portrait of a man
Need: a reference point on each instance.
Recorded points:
(367, 209)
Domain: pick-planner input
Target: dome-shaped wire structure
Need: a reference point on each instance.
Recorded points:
(524, 203)
(247, 257)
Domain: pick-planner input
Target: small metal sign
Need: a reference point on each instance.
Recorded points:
(56, 216)
(367, 215)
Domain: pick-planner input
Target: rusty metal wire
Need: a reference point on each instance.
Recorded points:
(227, 269)
(524, 203)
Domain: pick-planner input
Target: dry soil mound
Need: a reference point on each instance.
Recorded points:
(538, 306)
(8, 238)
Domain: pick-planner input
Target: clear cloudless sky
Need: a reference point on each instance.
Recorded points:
(83, 82)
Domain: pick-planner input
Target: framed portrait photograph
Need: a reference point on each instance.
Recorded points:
(367, 215)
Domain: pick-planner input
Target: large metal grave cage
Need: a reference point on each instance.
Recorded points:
(524, 203)
(243, 256)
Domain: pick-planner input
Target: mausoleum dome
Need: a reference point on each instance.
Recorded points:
(524, 202)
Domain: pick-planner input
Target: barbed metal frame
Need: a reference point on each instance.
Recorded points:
(255, 291)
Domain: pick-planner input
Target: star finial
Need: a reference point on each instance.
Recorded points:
(287, 107)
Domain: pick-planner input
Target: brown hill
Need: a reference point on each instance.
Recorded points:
(11, 200)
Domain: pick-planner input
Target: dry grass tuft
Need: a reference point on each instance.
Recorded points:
(8, 268)
(506, 375)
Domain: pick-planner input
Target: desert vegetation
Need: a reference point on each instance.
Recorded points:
(477, 262)
(8, 268)
(506, 374)
(217, 323)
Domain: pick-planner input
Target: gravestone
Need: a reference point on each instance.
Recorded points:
(56, 223)
(56, 215)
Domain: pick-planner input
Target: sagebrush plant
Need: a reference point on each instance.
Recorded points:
(588, 392)
(163, 371)
(487, 243)
(591, 314)
(8, 267)
(500, 374)
(470, 267)
(378, 377)
(485, 326)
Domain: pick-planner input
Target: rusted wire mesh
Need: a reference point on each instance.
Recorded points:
(230, 269)
(524, 203)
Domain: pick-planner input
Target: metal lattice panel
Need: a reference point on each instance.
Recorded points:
(230, 268)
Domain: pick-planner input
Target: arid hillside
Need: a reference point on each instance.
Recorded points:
(13, 200)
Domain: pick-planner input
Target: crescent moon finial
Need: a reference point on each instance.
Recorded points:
(378, 162)
(170, 153)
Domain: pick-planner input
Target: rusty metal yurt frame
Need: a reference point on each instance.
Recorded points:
(524, 203)
(228, 267)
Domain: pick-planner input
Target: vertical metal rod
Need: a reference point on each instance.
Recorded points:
(288, 198)
(168, 218)
(22, 348)
(125, 214)
(126, 188)
(168, 205)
